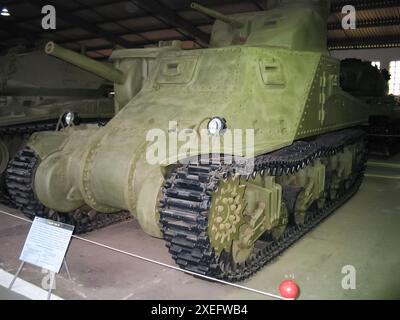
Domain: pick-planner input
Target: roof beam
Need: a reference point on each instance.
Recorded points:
(364, 43)
(181, 8)
(79, 22)
(99, 6)
(137, 31)
(117, 2)
(259, 4)
(172, 18)
(16, 31)
(364, 5)
(73, 11)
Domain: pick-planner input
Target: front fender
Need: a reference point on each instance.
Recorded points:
(47, 142)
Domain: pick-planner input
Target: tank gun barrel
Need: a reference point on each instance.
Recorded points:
(217, 15)
(103, 70)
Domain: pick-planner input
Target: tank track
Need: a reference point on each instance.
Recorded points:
(19, 181)
(21, 196)
(22, 130)
(187, 198)
(27, 130)
(31, 128)
(5, 199)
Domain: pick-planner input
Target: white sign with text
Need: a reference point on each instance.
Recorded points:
(46, 244)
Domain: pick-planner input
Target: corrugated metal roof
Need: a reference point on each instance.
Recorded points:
(100, 25)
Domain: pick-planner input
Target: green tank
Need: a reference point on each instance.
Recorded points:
(230, 153)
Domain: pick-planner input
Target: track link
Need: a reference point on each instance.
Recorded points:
(186, 202)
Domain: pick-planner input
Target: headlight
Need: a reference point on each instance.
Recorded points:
(70, 118)
(216, 126)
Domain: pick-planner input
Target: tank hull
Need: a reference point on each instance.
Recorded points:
(282, 100)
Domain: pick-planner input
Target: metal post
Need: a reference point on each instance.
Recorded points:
(52, 280)
(66, 269)
(17, 274)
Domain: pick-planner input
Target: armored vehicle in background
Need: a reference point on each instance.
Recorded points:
(40, 92)
(36, 90)
(225, 207)
(384, 127)
(35, 87)
(370, 85)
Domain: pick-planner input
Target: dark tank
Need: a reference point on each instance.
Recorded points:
(368, 83)
(36, 92)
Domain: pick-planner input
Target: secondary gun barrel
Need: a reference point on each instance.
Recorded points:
(103, 70)
(217, 15)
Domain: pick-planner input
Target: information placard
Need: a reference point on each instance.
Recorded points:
(47, 244)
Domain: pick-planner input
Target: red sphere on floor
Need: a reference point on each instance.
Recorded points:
(289, 289)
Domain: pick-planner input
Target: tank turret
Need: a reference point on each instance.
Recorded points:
(219, 16)
(296, 25)
(362, 79)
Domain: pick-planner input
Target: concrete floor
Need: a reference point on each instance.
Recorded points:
(363, 233)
